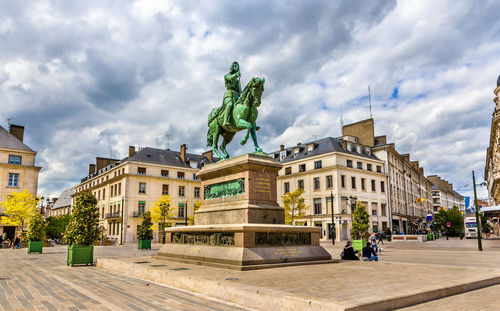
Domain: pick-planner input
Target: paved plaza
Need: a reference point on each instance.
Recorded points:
(128, 279)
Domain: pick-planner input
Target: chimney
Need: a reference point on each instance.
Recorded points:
(183, 153)
(282, 147)
(131, 150)
(209, 155)
(17, 131)
(91, 169)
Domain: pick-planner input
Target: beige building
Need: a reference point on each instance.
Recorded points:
(126, 188)
(443, 195)
(61, 206)
(17, 167)
(492, 169)
(409, 191)
(338, 167)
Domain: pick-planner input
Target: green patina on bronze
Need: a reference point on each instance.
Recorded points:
(238, 112)
(225, 189)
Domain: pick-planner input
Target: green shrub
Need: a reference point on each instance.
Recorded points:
(83, 227)
(360, 223)
(36, 228)
(145, 231)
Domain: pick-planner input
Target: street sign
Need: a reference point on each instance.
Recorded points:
(448, 224)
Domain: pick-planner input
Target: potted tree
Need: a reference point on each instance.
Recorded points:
(145, 232)
(360, 225)
(82, 230)
(36, 234)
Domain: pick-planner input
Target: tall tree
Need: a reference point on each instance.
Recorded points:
(455, 219)
(145, 231)
(19, 207)
(161, 214)
(196, 207)
(360, 223)
(56, 226)
(293, 204)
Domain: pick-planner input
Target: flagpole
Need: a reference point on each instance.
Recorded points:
(478, 222)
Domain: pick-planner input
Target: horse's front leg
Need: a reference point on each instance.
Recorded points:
(244, 140)
(254, 138)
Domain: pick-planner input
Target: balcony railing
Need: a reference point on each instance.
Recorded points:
(113, 215)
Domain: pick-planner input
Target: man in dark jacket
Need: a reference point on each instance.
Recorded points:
(368, 254)
(349, 253)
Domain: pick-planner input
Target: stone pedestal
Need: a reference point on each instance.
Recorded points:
(240, 224)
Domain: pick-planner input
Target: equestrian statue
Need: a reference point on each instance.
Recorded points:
(238, 112)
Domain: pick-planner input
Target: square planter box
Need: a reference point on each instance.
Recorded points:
(359, 244)
(430, 237)
(35, 247)
(80, 255)
(144, 244)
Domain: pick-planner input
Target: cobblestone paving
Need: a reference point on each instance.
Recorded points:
(44, 282)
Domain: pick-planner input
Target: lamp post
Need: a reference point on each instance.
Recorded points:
(352, 201)
(478, 222)
(332, 229)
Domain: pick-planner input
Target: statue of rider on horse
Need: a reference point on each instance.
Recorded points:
(238, 112)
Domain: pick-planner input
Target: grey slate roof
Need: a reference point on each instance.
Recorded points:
(9, 141)
(167, 157)
(321, 146)
(64, 200)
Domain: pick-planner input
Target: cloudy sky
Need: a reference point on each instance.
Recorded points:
(90, 78)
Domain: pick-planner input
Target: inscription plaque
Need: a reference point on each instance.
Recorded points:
(225, 189)
(204, 238)
(282, 238)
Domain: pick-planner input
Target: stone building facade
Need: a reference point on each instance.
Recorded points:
(443, 195)
(17, 167)
(492, 169)
(127, 188)
(409, 191)
(338, 167)
(61, 206)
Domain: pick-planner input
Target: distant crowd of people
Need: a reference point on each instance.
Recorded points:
(370, 251)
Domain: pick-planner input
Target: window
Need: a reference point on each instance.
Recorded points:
(379, 169)
(384, 211)
(141, 208)
(316, 183)
(295, 153)
(349, 147)
(349, 163)
(104, 193)
(317, 165)
(353, 182)
(164, 190)
(102, 214)
(369, 167)
(374, 212)
(288, 170)
(382, 186)
(13, 159)
(180, 175)
(373, 185)
(181, 191)
(342, 181)
(286, 187)
(196, 192)
(99, 195)
(358, 149)
(310, 148)
(13, 180)
(119, 188)
(317, 206)
(142, 187)
(359, 165)
(363, 184)
(282, 155)
(195, 177)
(141, 170)
(180, 210)
(329, 181)
(302, 168)
(164, 173)
(301, 184)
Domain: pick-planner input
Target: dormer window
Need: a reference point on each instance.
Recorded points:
(368, 151)
(282, 155)
(295, 152)
(358, 149)
(349, 147)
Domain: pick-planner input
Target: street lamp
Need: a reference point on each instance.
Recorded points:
(352, 201)
(332, 229)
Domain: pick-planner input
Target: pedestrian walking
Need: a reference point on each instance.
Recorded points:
(17, 242)
(380, 237)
